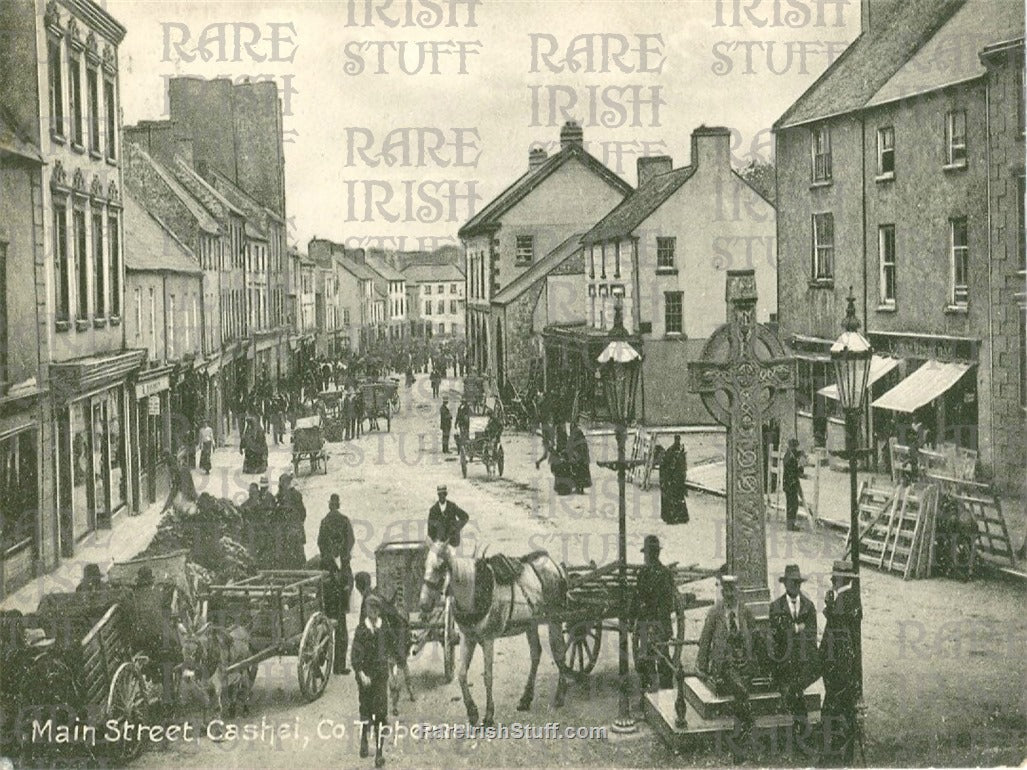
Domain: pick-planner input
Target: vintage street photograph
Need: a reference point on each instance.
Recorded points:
(512, 384)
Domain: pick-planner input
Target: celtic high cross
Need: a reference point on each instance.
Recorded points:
(740, 377)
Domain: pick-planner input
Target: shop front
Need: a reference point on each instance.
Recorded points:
(152, 431)
(93, 445)
(22, 528)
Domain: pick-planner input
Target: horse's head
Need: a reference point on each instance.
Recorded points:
(195, 641)
(435, 564)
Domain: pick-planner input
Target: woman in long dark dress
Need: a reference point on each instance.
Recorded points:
(578, 459)
(254, 448)
(563, 484)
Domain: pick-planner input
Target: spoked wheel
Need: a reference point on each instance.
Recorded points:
(126, 703)
(449, 640)
(581, 641)
(499, 460)
(316, 656)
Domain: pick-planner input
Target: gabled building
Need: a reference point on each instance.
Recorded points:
(555, 197)
(390, 282)
(897, 171)
(663, 254)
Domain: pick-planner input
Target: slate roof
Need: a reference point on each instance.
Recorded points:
(203, 218)
(871, 61)
(383, 268)
(150, 246)
(433, 273)
(238, 196)
(951, 56)
(489, 217)
(637, 207)
(201, 189)
(355, 268)
(539, 270)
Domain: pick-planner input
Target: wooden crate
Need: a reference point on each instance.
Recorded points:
(399, 568)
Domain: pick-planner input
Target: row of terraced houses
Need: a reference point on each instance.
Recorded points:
(899, 173)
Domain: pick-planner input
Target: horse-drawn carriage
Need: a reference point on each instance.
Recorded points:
(481, 445)
(330, 409)
(283, 613)
(308, 443)
(92, 659)
(475, 391)
(381, 400)
(399, 568)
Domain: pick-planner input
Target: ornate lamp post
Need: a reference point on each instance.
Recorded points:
(620, 366)
(851, 354)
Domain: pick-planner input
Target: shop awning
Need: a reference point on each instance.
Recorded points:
(922, 386)
(879, 366)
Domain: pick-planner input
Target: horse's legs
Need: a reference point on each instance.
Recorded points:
(488, 647)
(536, 655)
(394, 688)
(556, 632)
(467, 649)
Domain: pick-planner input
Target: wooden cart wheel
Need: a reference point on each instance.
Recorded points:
(581, 644)
(499, 459)
(449, 640)
(463, 462)
(126, 702)
(316, 656)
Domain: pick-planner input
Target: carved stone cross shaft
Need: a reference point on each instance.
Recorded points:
(741, 375)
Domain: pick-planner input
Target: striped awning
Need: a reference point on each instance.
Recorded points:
(879, 366)
(924, 385)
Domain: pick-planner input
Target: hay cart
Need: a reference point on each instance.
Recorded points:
(308, 443)
(595, 601)
(399, 572)
(480, 446)
(283, 611)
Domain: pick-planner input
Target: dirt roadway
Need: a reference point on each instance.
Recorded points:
(944, 661)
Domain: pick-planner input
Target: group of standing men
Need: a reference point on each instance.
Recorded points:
(273, 524)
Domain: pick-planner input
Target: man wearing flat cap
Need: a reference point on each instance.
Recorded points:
(370, 659)
(728, 655)
(652, 608)
(446, 519)
(793, 649)
(839, 658)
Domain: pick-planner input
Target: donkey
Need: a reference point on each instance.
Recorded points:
(487, 609)
(207, 653)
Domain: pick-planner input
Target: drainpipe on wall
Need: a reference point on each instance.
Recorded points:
(991, 314)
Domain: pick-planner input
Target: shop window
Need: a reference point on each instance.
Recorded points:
(81, 468)
(19, 491)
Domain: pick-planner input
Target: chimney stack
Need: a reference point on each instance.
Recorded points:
(571, 134)
(711, 147)
(536, 158)
(651, 166)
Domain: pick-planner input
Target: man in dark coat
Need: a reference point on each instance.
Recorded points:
(728, 657)
(251, 526)
(839, 659)
(578, 458)
(446, 423)
(653, 605)
(335, 544)
(292, 514)
(371, 664)
(790, 483)
(673, 470)
(463, 421)
(268, 535)
(446, 519)
(254, 448)
(794, 656)
(349, 416)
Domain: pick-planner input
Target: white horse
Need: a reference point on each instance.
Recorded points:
(487, 608)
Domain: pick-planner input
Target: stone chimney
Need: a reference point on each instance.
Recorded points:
(651, 166)
(873, 13)
(536, 158)
(571, 134)
(711, 147)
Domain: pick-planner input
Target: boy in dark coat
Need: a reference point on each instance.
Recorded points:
(371, 664)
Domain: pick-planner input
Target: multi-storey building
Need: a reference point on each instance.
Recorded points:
(897, 175)
(663, 253)
(435, 298)
(391, 284)
(556, 197)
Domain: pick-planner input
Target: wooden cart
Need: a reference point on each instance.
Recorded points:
(474, 392)
(595, 602)
(381, 400)
(283, 611)
(308, 443)
(479, 446)
(399, 571)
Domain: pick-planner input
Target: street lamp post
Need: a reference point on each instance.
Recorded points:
(620, 367)
(852, 354)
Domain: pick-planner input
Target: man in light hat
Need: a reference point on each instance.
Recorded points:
(370, 658)
(446, 423)
(446, 519)
(728, 656)
(653, 605)
(839, 658)
(793, 649)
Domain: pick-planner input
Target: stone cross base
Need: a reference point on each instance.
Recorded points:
(711, 706)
